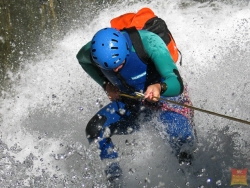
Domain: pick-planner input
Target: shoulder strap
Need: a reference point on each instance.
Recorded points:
(137, 43)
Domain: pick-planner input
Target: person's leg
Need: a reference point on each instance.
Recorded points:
(179, 130)
(179, 121)
(116, 117)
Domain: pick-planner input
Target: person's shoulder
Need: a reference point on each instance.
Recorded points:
(86, 46)
(85, 49)
(143, 32)
(148, 35)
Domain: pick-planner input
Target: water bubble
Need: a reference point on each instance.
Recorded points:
(78, 146)
(209, 180)
(97, 101)
(122, 111)
(99, 127)
(112, 111)
(213, 157)
(56, 157)
(99, 116)
(106, 133)
(2, 39)
(142, 108)
(147, 180)
(131, 170)
(200, 175)
(129, 130)
(15, 148)
(59, 156)
(57, 168)
(62, 156)
(218, 182)
(68, 154)
(161, 184)
(110, 150)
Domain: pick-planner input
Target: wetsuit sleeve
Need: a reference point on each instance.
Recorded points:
(160, 56)
(88, 65)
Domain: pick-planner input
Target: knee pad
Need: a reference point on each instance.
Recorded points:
(95, 125)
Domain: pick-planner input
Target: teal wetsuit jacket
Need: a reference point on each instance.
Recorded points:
(158, 53)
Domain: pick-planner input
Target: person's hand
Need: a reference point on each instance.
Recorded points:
(112, 92)
(152, 93)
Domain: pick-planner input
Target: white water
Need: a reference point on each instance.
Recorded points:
(45, 115)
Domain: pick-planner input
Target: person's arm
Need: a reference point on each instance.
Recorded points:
(159, 54)
(90, 68)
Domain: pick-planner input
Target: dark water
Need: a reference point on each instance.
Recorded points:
(31, 27)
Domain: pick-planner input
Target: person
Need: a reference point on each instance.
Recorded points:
(110, 59)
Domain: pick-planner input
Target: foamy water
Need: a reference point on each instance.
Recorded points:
(45, 114)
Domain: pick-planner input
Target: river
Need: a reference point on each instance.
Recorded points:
(47, 99)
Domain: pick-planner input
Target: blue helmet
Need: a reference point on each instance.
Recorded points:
(109, 48)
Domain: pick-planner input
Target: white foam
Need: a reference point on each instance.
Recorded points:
(205, 34)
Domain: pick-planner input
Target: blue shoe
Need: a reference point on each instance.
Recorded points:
(113, 171)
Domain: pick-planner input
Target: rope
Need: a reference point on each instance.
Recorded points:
(140, 96)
